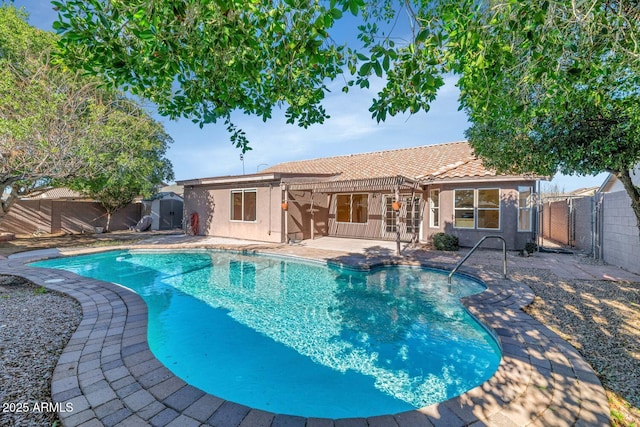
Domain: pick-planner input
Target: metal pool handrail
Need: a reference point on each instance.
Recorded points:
(504, 257)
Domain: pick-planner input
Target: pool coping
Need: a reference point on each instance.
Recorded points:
(111, 378)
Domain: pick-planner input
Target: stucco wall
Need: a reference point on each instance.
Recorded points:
(468, 237)
(300, 219)
(213, 206)
(619, 233)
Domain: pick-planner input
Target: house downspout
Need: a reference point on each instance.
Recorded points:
(312, 218)
(597, 216)
(286, 213)
(270, 206)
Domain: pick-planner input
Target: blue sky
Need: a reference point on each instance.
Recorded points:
(208, 152)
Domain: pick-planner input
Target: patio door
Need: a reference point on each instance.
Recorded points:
(409, 221)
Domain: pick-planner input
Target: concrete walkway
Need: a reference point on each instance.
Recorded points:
(111, 377)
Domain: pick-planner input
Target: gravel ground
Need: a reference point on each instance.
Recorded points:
(35, 326)
(601, 319)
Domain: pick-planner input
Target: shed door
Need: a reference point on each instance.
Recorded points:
(170, 214)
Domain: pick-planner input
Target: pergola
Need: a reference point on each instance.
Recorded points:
(395, 184)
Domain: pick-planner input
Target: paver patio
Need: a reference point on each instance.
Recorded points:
(109, 374)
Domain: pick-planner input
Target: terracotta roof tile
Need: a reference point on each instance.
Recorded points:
(57, 193)
(454, 159)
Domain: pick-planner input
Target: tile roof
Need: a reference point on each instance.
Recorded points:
(57, 194)
(450, 160)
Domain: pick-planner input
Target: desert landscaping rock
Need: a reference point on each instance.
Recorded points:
(35, 326)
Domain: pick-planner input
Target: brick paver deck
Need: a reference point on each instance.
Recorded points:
(111, 377)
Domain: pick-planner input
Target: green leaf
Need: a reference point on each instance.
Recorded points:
(353, 7)
(336, 13)
(146, 35)
(377, 68)
(385, 63)
(365, 69)
(422, 36)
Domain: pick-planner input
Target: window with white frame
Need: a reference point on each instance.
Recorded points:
(390, 225)
(434, 208)
(464, 208)
(488, 208)
(477, 208)
(352, 208)
(243, 205)
(410, 208)
(412, 214)
(525, 208)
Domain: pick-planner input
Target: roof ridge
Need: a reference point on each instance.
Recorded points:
(372, 152)
(447, 168)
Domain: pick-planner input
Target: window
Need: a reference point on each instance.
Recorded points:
(464, 212)
(243, 205)
(389, 216)
(525, 208)
(489, 208)
(410, 210)
(352, 208)
(434, 208)
(412, 217)
(477, 208)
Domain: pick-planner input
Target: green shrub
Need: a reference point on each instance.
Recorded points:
(530, 247)
(445, 242)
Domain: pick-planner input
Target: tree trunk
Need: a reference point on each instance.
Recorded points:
(633, 192)
(108, 221)
(6, 204)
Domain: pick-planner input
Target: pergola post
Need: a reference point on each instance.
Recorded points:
(397, 198)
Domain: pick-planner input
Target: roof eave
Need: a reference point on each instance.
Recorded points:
(468, 179)
(260, 177)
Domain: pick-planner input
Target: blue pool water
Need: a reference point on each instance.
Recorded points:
(302, 338)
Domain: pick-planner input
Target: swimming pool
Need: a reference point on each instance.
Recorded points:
(302, 338)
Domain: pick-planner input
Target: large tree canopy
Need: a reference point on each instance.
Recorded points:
(204, 59)
(58, 128)
(549, 86)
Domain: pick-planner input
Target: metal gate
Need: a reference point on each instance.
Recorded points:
(567, 222)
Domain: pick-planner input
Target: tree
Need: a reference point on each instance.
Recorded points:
(552, 86)
(204, 60)
(549, 86)
(135, 166)
(57, 127)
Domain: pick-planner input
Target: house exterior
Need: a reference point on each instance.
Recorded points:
(414, 192)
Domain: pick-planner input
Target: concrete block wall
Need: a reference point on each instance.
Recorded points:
(620, 239)
(555, 221)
